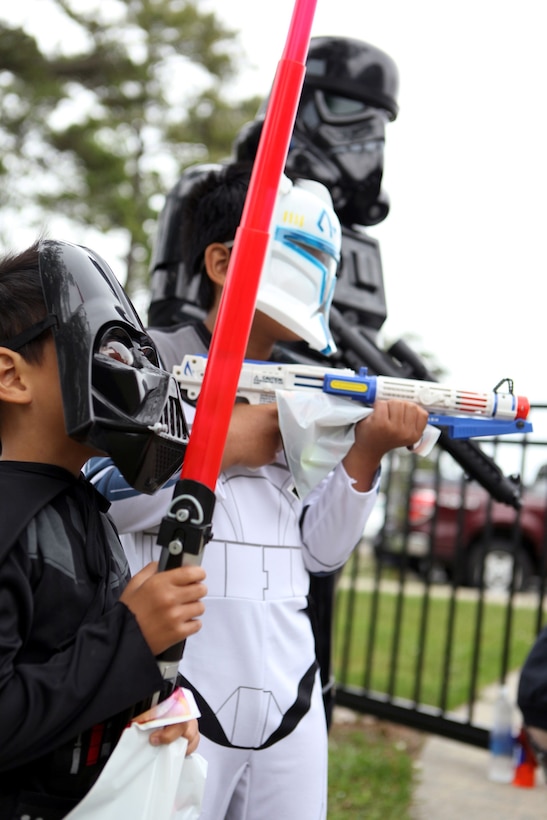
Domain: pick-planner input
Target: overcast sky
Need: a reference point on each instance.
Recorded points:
(463, 248)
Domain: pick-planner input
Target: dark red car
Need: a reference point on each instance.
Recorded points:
(457, 530)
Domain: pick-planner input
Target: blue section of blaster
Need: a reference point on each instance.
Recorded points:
(359, 387)
(464, 427)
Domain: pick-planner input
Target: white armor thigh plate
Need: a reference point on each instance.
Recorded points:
(248, 662)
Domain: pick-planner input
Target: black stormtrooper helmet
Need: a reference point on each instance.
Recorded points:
(348, 96)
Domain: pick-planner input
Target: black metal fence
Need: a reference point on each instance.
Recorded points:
(445, 594)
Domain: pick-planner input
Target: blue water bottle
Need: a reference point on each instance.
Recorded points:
(501, 769)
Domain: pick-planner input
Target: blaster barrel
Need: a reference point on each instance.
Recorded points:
(435, 397)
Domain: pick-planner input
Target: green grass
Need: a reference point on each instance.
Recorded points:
(371, 762)
(447, 657)
(371, 770)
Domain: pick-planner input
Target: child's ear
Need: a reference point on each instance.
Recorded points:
(216, 259)
(13, 383)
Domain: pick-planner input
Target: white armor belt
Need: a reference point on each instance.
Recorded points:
(255, 571)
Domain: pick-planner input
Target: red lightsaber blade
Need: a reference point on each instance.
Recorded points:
(231, 333)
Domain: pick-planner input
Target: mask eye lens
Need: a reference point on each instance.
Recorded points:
(150, 354)
(317, 253)
(343, 107)
(325, 258)
(115, 349)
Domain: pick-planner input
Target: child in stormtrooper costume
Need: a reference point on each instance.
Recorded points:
(253, 669)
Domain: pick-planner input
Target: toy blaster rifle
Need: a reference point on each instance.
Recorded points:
(462, 414)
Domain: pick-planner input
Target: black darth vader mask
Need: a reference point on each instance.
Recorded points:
(115, 396)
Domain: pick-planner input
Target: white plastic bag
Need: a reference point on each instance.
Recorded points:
(144, 782)
(317, 431)
(189, 796)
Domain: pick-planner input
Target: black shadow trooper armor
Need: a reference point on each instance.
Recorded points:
(115, 395)
(349, 95)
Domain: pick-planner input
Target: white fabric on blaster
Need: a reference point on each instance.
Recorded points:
(317, 432)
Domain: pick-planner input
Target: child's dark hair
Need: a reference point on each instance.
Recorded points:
(211, 213)
(21, 299)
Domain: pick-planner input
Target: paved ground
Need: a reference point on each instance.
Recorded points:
(454, 784)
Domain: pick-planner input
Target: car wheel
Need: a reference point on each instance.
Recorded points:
(498, 558)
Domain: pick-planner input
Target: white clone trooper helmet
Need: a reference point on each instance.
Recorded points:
(299, 272)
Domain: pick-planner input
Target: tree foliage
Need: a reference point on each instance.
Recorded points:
(98, 125)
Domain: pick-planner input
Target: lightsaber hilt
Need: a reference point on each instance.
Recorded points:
(184, 531)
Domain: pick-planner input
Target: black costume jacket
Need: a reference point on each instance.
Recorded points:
(73, 660)
(532, 689)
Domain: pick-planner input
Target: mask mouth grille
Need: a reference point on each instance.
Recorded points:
(168, 458)
(163, 453)
(172, 423)
(170, 440)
